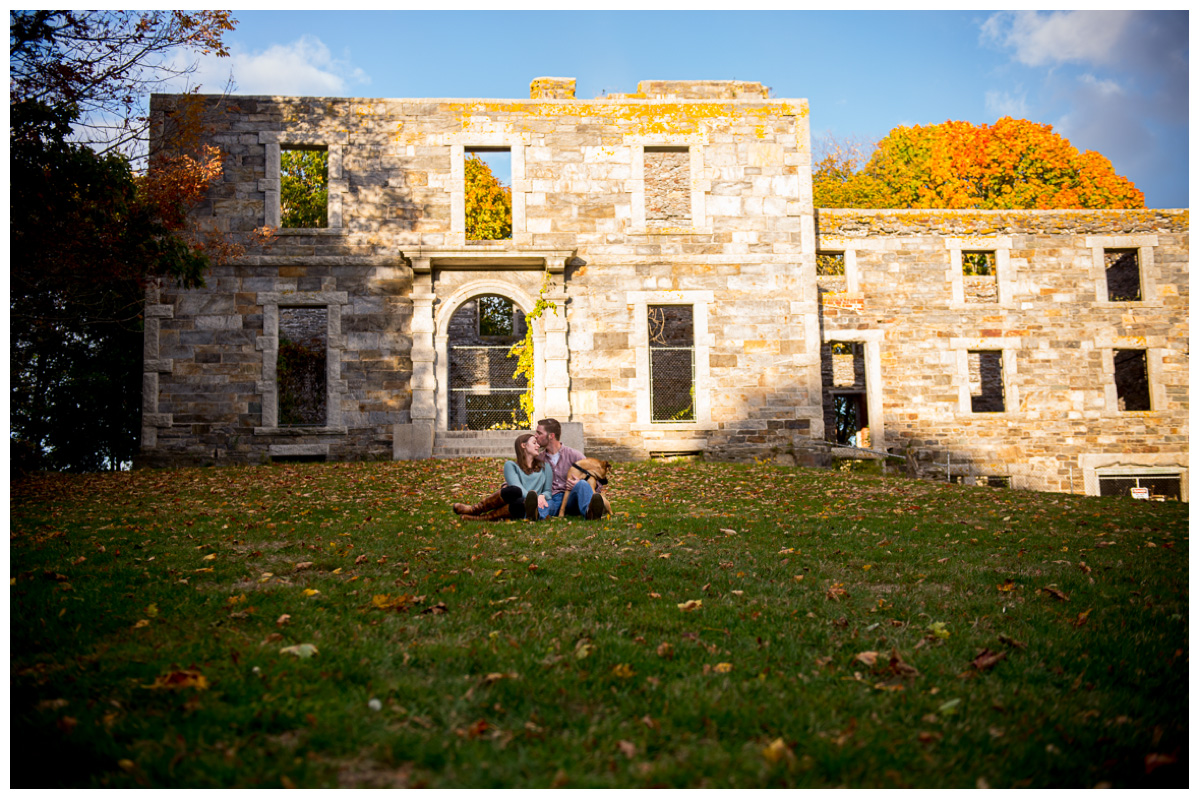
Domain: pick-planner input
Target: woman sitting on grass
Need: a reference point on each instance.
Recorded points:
(526, 484)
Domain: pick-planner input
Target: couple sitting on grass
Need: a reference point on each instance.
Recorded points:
(538, 482)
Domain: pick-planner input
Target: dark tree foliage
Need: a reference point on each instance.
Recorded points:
(81, 248)
(86, 233)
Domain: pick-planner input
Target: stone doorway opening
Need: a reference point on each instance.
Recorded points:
(484, 392)
(844, 380)
(851, 426)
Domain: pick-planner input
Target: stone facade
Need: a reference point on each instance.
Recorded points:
(685, 193)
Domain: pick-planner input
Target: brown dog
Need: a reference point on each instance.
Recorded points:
(595, 472)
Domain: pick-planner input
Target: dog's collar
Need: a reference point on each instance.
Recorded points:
(599, 480)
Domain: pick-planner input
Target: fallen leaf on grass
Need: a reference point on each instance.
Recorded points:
(1081, 620)
(623, 671)
(311, 592)
(867, 657)
(300, 650)
(52, 705)
(690, 605)
(938, 631)
(440, 608)
(898, 667)
(1055, 593)
(179, 679)
(210, 557)
(656, 595)
(361, 559)
(1007, 586)
(776, 751)
(492, 677)
(474, 730)
(728, 531)
(141, 623)
(303, 565)
(627, 748)
(986, 659)
(387, 602)
(1156, 760)
(724, 666)
(666, 650)
(266, 576)
(584, 648)
(284, 619)
(1011, 642)
(836, 592)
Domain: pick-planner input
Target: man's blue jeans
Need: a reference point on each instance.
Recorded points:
(577, 501)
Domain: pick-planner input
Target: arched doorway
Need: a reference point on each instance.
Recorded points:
(475, 328)
(483, 389)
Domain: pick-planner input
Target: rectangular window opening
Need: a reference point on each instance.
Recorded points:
(668, 186)
(850, 426)
(301, 366)
(498, 317)
(1158, 487)
(672, 363)
(487, 178)
(304, 187)
(1132, 379)
(831, 265)
(979, 276)
(1123, 275)
(986, 371)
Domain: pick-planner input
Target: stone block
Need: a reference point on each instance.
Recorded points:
(413, 440)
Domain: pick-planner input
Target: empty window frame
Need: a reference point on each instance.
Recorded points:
(668, 186)
(831, 265)
(497, 317)
(671, 333)
(303, 187)
(1123, 275)
(1158, 486)
(980, 281)
(850, 426)
(302, 367)
(1132, 379)
(487, 188)
(985, 369)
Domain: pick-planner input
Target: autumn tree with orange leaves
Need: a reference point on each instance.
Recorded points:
(87, 233)
(488, 202)
(1012, 164)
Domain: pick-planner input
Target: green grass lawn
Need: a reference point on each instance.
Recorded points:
(729, 626)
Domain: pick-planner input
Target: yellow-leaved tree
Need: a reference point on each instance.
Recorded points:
(1011, 164)
(488, 202)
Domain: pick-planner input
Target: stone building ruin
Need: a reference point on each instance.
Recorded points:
(702, 305)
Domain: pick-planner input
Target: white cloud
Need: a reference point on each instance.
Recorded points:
(1090, 37)
(1006, 104)
(304, 67)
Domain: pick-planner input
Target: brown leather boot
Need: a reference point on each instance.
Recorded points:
(486, 504)
(502, 512)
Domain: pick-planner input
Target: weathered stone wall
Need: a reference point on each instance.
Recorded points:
(1049, 319)
(736, 239)
(733, 235)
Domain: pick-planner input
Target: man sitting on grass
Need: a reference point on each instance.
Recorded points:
(578, 495)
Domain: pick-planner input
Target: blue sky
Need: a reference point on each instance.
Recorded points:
(1114, 82)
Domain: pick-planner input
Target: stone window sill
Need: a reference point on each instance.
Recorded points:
(668, 231)
(302, 430)
(310, 232)
(674, 426)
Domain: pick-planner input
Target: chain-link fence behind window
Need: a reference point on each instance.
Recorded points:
(484, 394)
(672, 363)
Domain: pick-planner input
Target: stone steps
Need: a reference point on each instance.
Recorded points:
(474, 444)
